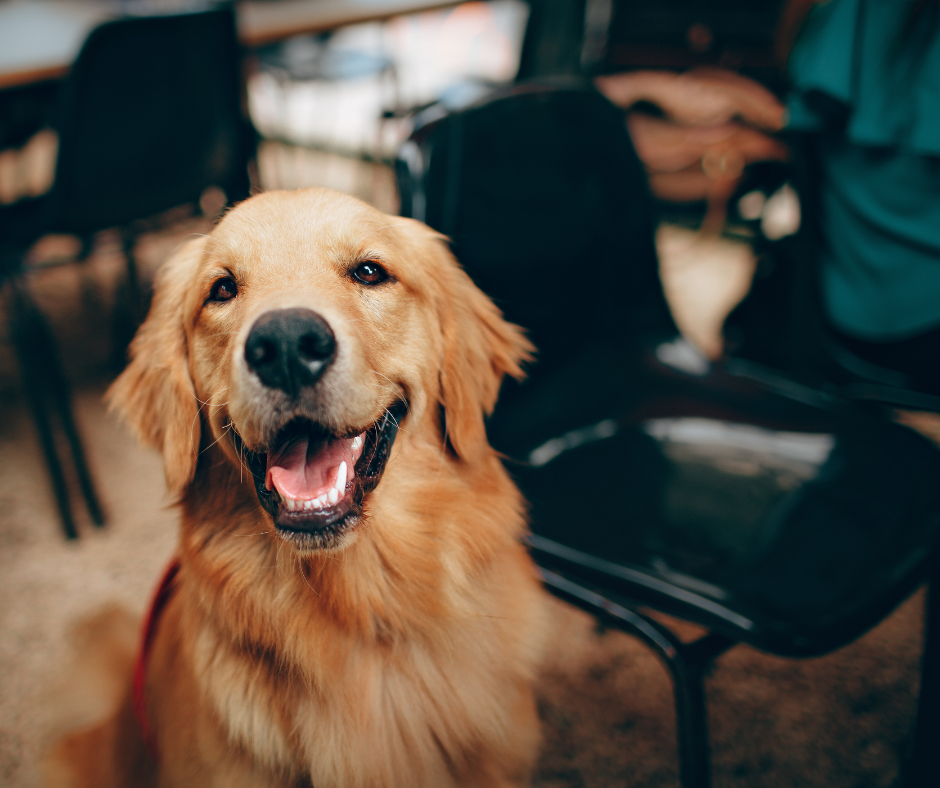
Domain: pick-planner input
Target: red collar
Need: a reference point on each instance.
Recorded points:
(139, 687)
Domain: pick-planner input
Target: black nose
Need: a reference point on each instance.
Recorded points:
(290, 348)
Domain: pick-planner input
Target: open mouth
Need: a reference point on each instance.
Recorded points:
(313, 482)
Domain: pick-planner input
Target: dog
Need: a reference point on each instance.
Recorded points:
(352, 605)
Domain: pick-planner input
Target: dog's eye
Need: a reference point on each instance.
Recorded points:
(370, 273)
(223, 289)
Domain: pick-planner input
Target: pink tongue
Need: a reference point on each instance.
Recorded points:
(302, 470)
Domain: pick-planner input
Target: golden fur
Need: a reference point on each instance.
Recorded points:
(405, 656)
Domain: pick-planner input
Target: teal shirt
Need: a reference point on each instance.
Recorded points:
(877, 107)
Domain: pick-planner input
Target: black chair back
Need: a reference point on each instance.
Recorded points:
(548, 209)
(151, 115)
(547, 206)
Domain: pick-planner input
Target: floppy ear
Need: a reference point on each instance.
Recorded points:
(155, 393)
(480, 347)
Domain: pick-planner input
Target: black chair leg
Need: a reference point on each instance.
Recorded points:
(28, 332)
(134, 299)
(92, 301)
(41, 419)
(688, 668)
(62, 397)
(924, 767)
(44, 378)
(128, 305)
(687, 665)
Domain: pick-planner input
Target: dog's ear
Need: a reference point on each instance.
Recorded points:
(155, 393)
(480, 347)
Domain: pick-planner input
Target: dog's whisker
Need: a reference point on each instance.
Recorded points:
(224, 433)
(208, 403)
(385, 390)
(303, 574)
(241, 465)
(192, 426)
(391, 416)
(258, 533)
(211, 238)
(397, 388)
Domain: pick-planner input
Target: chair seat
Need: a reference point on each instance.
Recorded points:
(774, 517)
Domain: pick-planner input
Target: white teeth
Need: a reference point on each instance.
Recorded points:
(330, 497)
(357, 442)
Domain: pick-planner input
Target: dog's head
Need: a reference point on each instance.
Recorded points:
(297, 340)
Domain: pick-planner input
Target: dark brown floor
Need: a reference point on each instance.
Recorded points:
(840, 720)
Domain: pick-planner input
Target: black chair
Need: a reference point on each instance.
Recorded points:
(148, 118)
(766, 511)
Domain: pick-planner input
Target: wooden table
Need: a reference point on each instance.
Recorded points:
(40, 39)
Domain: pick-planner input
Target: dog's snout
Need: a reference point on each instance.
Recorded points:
(290, 348)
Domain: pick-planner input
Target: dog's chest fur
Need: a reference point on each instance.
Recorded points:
(416, 707)
(389, 712)
(416, 711)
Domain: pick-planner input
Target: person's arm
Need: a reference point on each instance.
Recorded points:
(702, 97)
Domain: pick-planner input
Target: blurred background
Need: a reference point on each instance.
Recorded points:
(700, 163)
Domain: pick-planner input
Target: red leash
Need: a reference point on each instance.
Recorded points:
(139, 686)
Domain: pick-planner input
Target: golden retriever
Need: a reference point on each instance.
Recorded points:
(353, 606)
